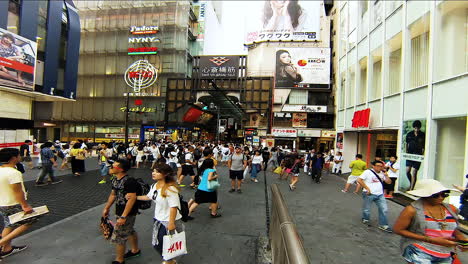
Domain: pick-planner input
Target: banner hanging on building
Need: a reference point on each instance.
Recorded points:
(219, 67)
(412, 157)
(194, 115)
(283, 21)
(298, 67)
(17, 60)
(299, 119)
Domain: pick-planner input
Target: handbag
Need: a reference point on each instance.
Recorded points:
(107, 227)
(174, 245)
(246, 173)
(213, 184)
(278, 170)
(306, 168)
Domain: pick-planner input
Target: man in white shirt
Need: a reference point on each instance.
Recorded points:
(393, 169)
(13, 199)
(372, 182)
(187, 167)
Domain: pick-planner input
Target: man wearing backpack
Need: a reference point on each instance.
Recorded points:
(126, 210)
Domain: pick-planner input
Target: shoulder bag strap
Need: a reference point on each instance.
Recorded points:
(376, 175)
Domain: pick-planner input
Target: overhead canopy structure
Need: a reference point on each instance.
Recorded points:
(229, 105)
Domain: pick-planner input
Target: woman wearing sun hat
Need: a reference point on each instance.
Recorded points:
(428, 226)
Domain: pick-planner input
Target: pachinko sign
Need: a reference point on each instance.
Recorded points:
(144, 30)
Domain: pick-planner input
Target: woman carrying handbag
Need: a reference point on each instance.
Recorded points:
(207, 190)
(167, 218)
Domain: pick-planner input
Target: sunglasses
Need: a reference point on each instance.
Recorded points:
(443, 194)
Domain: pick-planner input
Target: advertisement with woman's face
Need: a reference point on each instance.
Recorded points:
(17, 60)
(284, 20)
(301, 66)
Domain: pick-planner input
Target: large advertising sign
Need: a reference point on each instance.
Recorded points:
(194, 115)
(412, 157)
(298, 67)
(219, 66)
(283, 21)
(17, 60)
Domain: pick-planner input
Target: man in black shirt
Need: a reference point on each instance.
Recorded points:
(25, 154)
(415, 141)
(125, 210)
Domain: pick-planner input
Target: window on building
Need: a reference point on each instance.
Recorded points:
(375, 91)
(344, 30)
(362, 80)
(351, 89)
(342, 90)
(451, 18)
(42, 28)
(393, 65)
(13, 16)
(419, 52)
(319, 98)
(298, 97)
(450, 150)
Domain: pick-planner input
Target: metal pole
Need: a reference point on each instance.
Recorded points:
(127, 102)
(217, 124)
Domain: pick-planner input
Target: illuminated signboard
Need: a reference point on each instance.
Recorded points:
(140, 75)
(138, 109)
(143, 39)
(142, 51)
(144, 30)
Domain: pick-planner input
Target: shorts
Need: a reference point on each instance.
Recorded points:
(413, 164)
(415, 255)
(234, 174)
(205, 197)
(352, 179)
(187, 170)
(225, 158)
(6, 211)
(121, 233)
(390, 186)
(26, 159)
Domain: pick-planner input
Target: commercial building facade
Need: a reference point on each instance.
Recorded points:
(401, 65)
(302, 113)
(39, 65)
(115, 35)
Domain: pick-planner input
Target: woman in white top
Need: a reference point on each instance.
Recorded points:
(139, 156)
(156, 155)
(165, 194)
(337, 163)
(393, 168)
(257, 162)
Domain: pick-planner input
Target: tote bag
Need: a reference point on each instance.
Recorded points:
(174, 245)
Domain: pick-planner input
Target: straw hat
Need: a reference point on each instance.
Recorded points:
(428, 187)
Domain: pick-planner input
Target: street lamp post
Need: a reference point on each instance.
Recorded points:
(127, 102)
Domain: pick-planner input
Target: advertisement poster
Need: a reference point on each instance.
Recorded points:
(296, 67)
(219, 66)
(339, 141)
(299, 119)
(17, 61)
(283, 21)
(412, 157)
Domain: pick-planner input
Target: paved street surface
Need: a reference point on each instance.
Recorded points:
(31, 174)
(328, 221)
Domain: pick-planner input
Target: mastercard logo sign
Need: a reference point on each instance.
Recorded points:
(302, 63)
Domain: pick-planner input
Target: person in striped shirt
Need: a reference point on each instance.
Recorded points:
(429, 226)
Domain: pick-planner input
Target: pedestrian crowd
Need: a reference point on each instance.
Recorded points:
(431, 230)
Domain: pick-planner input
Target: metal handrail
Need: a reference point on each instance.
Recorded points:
(286, 243)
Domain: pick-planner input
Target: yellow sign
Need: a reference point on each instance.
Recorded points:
(143, 109)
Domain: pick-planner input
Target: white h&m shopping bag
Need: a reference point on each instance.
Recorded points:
(174, 245)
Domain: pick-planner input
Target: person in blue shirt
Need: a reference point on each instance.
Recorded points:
(48, 162)
(203, 193)
(317, 162)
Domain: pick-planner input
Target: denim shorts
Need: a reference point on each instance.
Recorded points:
(414, 255)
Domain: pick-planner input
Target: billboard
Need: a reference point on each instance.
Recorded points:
(283, 21)
(195, 115)
(296, 67)
(413, 144)
(219, 67)
(17, 60)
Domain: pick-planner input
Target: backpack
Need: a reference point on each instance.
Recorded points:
(60, 154)
(197, 154)
(181, 158)
(184, 208)
(143, 189)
